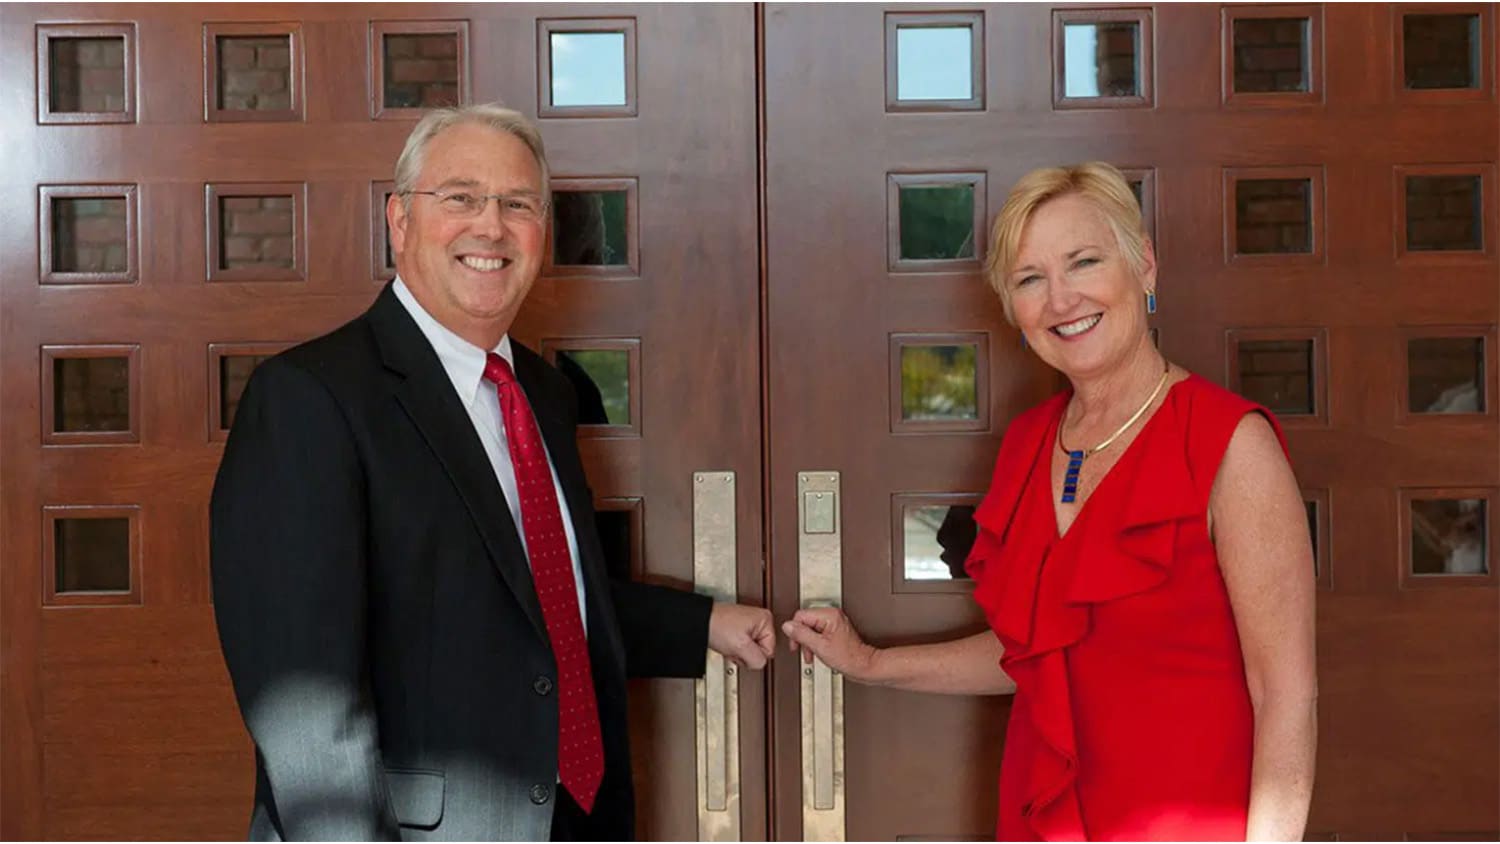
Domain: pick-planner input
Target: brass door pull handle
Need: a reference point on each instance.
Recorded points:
(717, 693)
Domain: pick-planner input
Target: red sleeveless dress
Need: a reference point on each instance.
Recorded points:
(1132, 719)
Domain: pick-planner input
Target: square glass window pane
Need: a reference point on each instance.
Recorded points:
(588, 68)
(937, 222)
(1312, 531)
(1443, 213)
(1445, 375)
(615, 537)
(939, 383)
(385, 233)
(1449, 536)
(86, 74)
(1101, 59)
(1271, 55)
(421, 69)
(1440, 51)
(937, 540)
(255, 72)
(91, 555)
(934, 63)
(1273, 216)
(90, 235)
(589, 228)
(234, 374)
(256, 231)
(602, 378)
(1278, 375)
(91, 394)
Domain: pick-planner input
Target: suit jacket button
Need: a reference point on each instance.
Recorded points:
(542, 685)
(540, 794)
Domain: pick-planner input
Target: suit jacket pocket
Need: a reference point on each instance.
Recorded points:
(417, 796)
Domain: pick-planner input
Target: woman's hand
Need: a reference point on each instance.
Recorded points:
(825, 632)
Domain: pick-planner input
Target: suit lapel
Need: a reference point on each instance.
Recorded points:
(428, 398)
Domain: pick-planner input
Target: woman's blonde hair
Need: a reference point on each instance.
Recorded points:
(1096, 181)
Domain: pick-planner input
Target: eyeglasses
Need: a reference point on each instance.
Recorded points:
(520, 207)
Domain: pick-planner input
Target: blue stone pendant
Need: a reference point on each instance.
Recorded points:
(1151, 302)
(1070, 480)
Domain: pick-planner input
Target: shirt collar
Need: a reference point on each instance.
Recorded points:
(462, 360)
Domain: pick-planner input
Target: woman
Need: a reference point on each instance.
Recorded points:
(1143, 557)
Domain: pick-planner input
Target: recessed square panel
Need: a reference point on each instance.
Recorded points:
(90, 394)
(88, 234)
(1101, 58)
(940, 382)
(254, 72)
(1440, 51)
(256, 232)
(230, 366)
(934, 62)
(85, 73)
(937, 222)
(90, 555)
(586, 67)
(933, 536)
(1449, 536)
(1273, 216)
(418, 65)
(1444, 213)
(606, 376)
(382, 259)
(934, 221)
(589, 228)
(620, 523)
(1271, 55)
(1445, 375)
(1142, 181)
(1278, 374)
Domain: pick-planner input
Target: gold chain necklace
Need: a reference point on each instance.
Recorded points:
(1077, 456)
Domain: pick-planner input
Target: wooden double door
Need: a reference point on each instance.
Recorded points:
(788, 290)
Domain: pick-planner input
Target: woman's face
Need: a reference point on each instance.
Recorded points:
(1074, 294)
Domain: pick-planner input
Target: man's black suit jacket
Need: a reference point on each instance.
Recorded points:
(376, 609)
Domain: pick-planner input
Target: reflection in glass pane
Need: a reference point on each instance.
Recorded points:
(1273, 216)
(615, 538)
(86, 74)
(602, 378)
(234, 374)
(385, 233)
(1441, 51)
(589, 228)
(1443, 213)
(938, 383)
(92, 555)
(1278, 375)
(937, 539)
(1271, 55)
(89, 235)
(91, 394)
(255, 72)
(421, 70)
(1445, 375)
(934, 62)
(937, 222)
(256, 231)
(588, 68)
(1449, 536)
(1099, 59)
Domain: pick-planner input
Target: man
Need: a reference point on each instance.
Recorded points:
(409, 586)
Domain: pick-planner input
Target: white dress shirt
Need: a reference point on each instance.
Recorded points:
(464, 363)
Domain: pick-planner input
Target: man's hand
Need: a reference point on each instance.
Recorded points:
(744, 634)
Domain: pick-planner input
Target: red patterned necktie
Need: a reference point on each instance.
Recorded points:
(580, 750)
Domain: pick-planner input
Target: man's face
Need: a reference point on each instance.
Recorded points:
(471, 271)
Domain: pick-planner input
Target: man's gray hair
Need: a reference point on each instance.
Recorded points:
(493, 115)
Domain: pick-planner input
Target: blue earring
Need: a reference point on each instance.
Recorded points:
(1150, 301)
